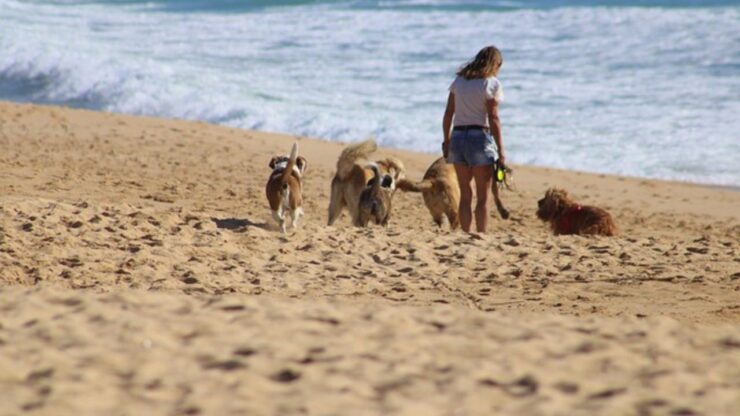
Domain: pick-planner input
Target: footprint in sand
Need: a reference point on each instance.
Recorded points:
(245, 352)
(599, 249)
(567, 387)
(233, 308)
(524, 386)
(189, 279)
(285, 376)
(697, 250)
(512, 242)
(607, 394)
(39, 375)
(71, 262)
(516, 272)
(225, 365)
(74, 224)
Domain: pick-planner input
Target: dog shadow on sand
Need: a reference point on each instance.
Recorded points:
(239, 225)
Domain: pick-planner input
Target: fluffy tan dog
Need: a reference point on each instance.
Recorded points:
(284, 188)
(441, 193)
(567, 217)
(352, 178)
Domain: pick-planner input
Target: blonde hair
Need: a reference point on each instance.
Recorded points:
(486, 64)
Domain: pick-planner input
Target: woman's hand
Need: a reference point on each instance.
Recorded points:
(501, 160)
(445, 148)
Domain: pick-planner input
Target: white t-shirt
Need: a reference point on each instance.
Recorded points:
(470, 99)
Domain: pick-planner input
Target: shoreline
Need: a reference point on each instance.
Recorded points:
(732, 188)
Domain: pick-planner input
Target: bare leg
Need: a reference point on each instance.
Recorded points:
(483, 177)
(464, 178)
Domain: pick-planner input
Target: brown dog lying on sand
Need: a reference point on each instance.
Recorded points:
(441, 193)
(375, 200)
(284, 188)
(567, 217)
(352, 178)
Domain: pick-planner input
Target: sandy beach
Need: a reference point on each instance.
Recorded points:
(141, 273)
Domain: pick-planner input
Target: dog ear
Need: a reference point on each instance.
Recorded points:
(559, 198)
(301, 163)
(273, 162)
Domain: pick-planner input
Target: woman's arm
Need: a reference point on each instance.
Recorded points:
(495, 125)
(447, 123)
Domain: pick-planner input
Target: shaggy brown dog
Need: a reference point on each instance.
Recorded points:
(441, 193)
(375, 200)
(352, 178)
(568, 217)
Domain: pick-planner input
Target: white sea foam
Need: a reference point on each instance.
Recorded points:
(637, 91)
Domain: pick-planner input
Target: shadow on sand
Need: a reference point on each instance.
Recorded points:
(239, 225)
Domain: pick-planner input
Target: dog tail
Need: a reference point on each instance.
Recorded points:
(408, 186)
(375, 181)
(291, 163)
(351, 153)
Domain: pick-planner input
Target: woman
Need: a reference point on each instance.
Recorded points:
(473, 104)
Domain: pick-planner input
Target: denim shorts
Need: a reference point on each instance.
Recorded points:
(473, 147)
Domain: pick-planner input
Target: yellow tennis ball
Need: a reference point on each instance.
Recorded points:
(500, 175)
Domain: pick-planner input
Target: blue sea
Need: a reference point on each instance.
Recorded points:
(647, 88)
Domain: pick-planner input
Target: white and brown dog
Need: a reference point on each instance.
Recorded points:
(352, 179)
(284, 187)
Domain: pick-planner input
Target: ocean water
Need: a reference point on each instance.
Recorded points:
(645, 88)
